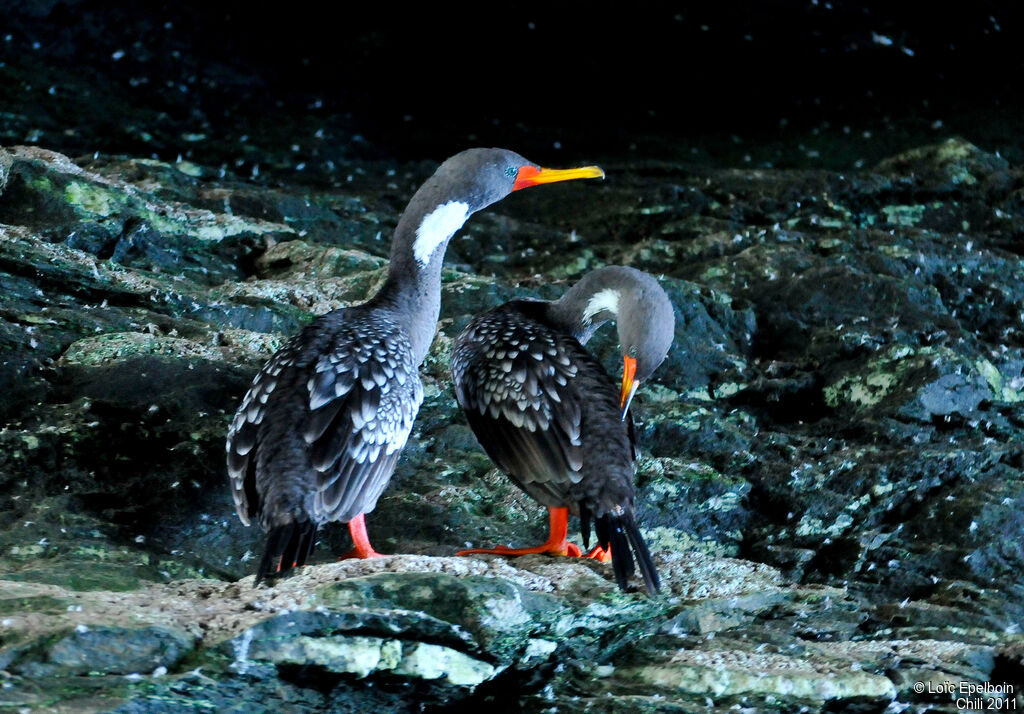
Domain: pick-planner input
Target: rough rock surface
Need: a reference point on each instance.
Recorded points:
(833, 453)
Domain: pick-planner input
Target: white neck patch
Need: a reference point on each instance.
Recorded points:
(438, 226)
(606, 299)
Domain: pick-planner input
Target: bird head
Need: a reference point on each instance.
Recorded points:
(646, 327)
(488, 175)
(464, 184)
(643, 316)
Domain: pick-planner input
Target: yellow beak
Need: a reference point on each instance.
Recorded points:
(534, 176)
(629, 385)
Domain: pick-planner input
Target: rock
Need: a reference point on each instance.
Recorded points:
(460, 631)
(319, 639)
(734, 674)
(501, 615)
(113, 219)
(928, 384)
(945, 166)
(101, 650)
(689, 505)
(831, 470)
(6, 161)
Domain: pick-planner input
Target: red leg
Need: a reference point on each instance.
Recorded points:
(600, 554)
(556, 544)
(360, 541)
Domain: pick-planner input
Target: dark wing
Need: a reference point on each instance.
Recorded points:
(634, 448)
(514, 380)
(360, 392)
(364, 397)
(243, 434)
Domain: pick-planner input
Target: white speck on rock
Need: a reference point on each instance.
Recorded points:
(241, 663)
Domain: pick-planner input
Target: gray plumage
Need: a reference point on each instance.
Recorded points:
(547, 412)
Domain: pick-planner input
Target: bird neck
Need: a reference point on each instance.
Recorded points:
(643, 314)
(413, 286)
(609, 293)
(582, 310)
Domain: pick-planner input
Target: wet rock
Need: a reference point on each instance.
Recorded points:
(735, 673)
(101, 650)
(461, 631)
(688, 505)
(114, 219)
(923, 385)
(831, 479)
(501, 615)
(947, 166)
(6, 161)
(830, 471)
(328, 640)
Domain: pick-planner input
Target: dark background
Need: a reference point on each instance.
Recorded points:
(773, 83)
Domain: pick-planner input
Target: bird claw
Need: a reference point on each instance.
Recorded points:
(358, 553)
(600, 554)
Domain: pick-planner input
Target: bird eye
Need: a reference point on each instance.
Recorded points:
(511, 171)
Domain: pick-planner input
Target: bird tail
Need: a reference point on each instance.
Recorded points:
(288, 546)
(621, 534)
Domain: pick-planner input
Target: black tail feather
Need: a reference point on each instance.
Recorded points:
(643, 557)
(621, 534)
(288, 547)
(585, 519)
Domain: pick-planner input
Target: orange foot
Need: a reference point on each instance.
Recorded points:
(361, 554)
(556, 544)
(600, 554)
(563, 547)
(361, 542)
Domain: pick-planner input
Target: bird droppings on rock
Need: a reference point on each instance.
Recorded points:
(723, 673)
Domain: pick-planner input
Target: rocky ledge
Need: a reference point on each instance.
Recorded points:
(832, 479)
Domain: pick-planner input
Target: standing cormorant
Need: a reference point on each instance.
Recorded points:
(318, 434)
(550, 416)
